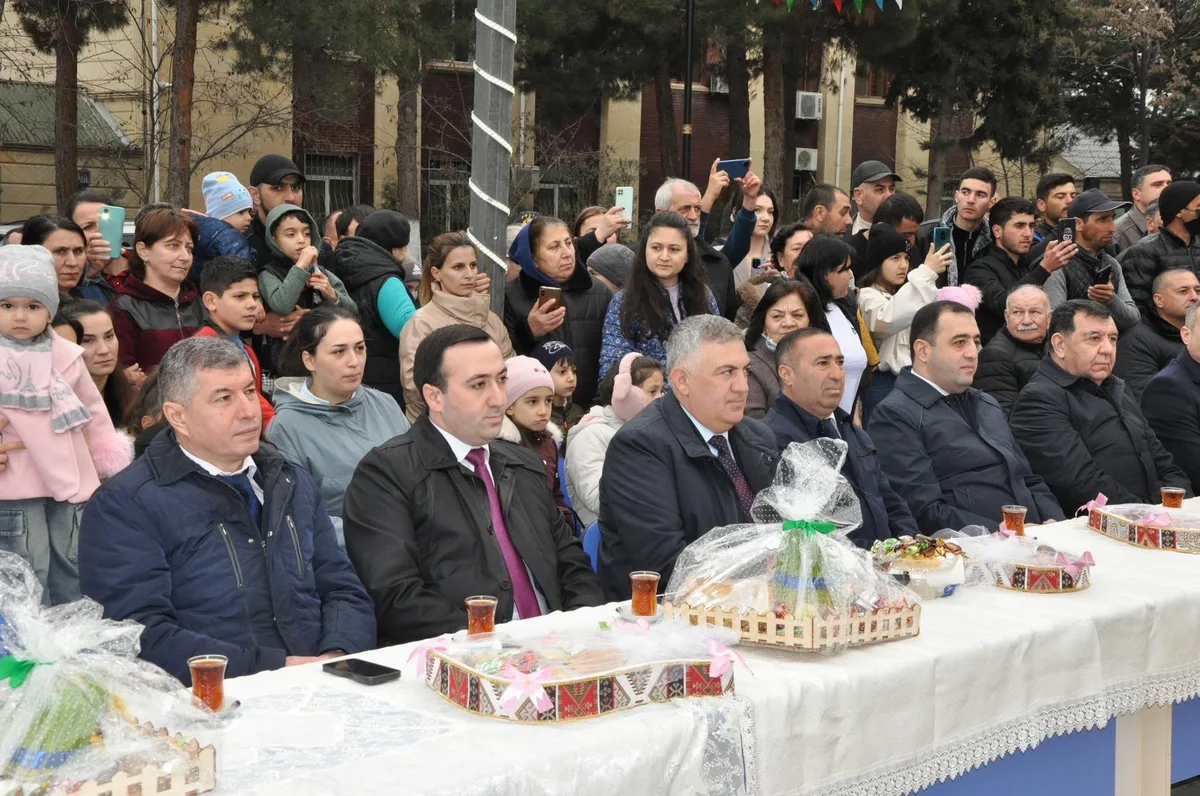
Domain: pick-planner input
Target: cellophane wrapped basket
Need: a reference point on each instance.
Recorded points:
(580, 673)
(793, 579)
(1022, 563)
(70, 686)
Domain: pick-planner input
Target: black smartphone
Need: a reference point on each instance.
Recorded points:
(1064, 230)
(362, 671)
(735, 168)
(941, 237)
(1102, 275)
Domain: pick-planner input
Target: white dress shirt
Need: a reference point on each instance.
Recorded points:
(941, 392)
(705, 434)
(248, 467)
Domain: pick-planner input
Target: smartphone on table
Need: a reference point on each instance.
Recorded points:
(1064, 230)
(111, 227)
(362, 671)
(549, 294)
(941, 237)
(625, 201)
(738, 167)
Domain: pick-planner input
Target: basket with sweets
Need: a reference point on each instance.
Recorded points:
(1022, 563)
(930, 567)
(1144, 525)
(578, 674)
(793, 579)
(70, 685)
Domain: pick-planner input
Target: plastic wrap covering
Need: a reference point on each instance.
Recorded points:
(1148, 526)
(794, 579)
(1023, 563)
(930, 566)
(579, 673)
(71, 686)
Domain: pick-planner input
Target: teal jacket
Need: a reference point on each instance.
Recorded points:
(330, 440)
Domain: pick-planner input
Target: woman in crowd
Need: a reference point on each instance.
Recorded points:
(551, 261)
(449, 295)
(157, 307)
(766, 211)
(788, 305)
(588, 221)
(786, 245)
(666, 284)
(67, 244)
(94, 332)
(370, 264)
(626, 390)
(828, 264)
(325, 419)
(889, 296)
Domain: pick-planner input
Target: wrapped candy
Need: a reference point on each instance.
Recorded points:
(793, 578)
(70, 685)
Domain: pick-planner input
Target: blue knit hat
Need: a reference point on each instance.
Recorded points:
(224, 195)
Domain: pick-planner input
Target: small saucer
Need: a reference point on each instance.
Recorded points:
(625, 614)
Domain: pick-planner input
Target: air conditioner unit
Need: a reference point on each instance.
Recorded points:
(806, 159)
(809, 105)
(718, 85)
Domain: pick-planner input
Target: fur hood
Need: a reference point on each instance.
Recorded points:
(510, 433)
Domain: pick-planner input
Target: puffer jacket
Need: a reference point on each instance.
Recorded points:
(173, 548)
(1152, 255)
(588, 443)
(1145, 350)
(148, 322)
(586, 301)
(1006, 365)
(215, 238)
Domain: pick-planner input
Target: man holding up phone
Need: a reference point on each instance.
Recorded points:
(1092, 273)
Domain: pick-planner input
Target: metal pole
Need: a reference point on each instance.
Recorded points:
(491, 142)
(687, 94)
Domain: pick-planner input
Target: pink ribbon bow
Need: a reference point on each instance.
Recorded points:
(721, 659)
(1158, 520)
(439, 644)
(1073, 568)
(523, 686)
(1005, 531)
(1100, 501)
(641, 624)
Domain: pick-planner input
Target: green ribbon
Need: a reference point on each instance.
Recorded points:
(15, 671)
(810, 527)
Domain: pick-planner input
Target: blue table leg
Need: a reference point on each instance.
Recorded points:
(1185, 740)
(1071, 765)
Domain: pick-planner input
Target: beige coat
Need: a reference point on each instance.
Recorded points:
(445, 310)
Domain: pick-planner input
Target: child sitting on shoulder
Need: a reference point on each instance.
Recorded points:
(222, 232)
(50, 406)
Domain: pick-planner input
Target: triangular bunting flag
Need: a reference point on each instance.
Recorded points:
(900, 4)
(790, 3)
(858, 5)
(838, 5)
(880, 4)
(815, 4)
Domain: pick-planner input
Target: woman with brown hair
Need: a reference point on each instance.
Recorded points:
(448, 297)
(157, 306)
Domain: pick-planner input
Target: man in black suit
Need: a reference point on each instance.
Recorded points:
(813, 374)
(686, 464)
(945, 446)
(1171, 402)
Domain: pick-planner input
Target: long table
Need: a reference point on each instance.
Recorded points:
(994, 676)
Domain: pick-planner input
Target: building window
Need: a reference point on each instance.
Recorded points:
(557, 199)
(447, 196)
(871, 82)
(949, 188)
(331, 183)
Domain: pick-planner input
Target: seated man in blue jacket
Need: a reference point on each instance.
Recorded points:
(215, 544)
(945, 446)
(813, 374)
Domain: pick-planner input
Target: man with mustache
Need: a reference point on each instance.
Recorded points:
(448, 511)
(1009, 360)
(945, 446)
(690, 462)
(1080, 426)
(218, 546)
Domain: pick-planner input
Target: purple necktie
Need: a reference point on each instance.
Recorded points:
(725, 457)
(523, 593)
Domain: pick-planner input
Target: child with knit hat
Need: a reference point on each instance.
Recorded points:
(222, 232)
(559, 358)
(527, 420)
(61, 442)
(227, 199)
(889, 295)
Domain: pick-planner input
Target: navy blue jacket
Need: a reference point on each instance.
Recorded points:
(885, 513)
(215, 238)
(167, 545)
(951, 473)
(1171, 405)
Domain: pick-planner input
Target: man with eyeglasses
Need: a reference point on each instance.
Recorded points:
(970, 231)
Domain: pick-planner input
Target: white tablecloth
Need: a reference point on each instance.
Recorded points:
(992, 672)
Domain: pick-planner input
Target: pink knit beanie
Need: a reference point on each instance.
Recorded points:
(525, 374)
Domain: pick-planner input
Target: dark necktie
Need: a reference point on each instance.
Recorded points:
(829, 429)
(241, 482)
(523, 594)
(725, 457)
(958, 402)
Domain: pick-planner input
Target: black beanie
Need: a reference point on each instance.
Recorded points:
(883, 242)
(1176, 197)
(387, 228)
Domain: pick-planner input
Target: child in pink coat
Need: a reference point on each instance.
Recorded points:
(51, 407)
